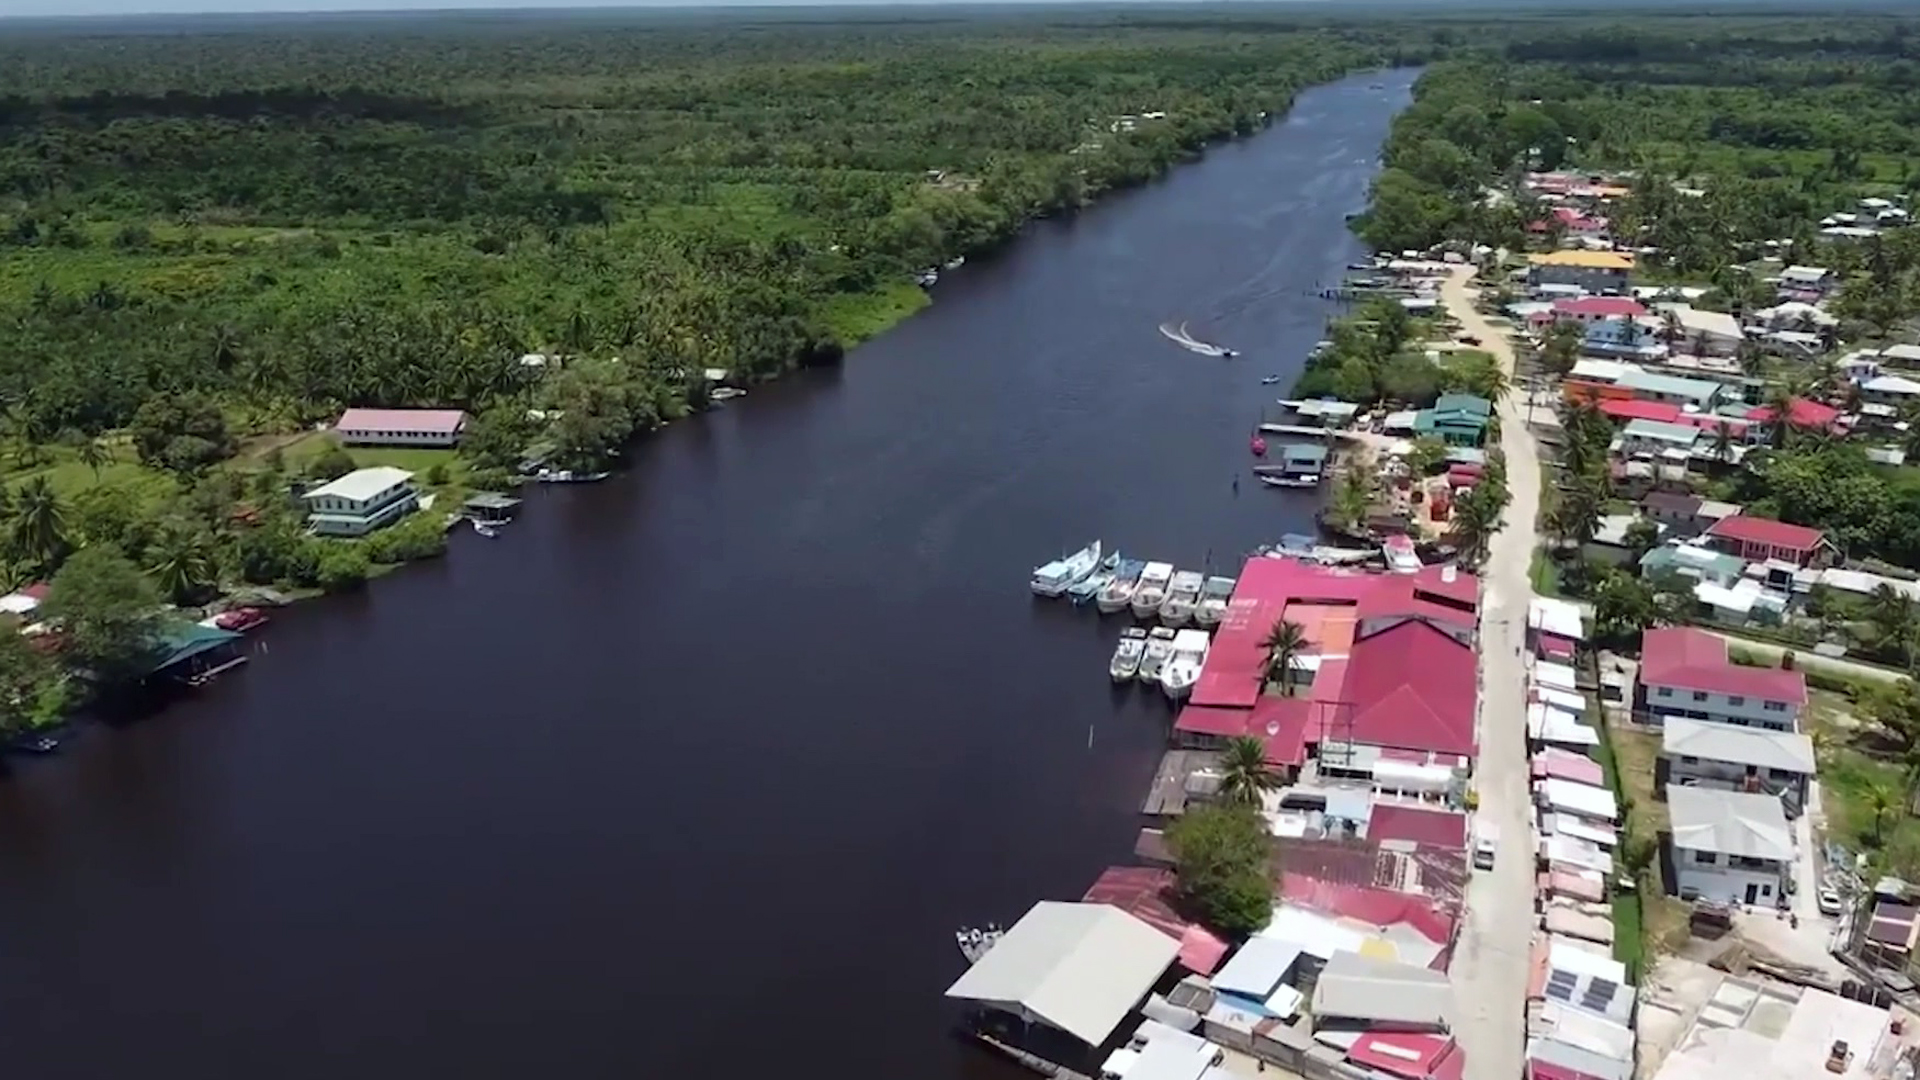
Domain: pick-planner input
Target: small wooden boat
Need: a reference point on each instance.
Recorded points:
(1118, 593)
(1159, 648)
(484, 529)
(1152, 591)
(1183, 595)
(1215, 595)
(1269, 380)
(1054, 578)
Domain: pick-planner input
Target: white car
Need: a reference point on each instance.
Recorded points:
(1829, 900)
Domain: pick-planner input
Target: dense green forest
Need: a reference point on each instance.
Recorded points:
(305, 216)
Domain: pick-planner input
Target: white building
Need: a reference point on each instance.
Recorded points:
(1729, 846)
(1078, 968)
(1686, 672)
(1709, 333)
(1701, 753)
(361, 501)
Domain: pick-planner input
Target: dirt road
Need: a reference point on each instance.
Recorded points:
(1490, 966)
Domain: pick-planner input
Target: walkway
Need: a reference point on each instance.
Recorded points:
(1490, 967)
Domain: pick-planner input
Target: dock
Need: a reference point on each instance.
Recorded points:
(1032, 1061)
(1167, 797)
(1298, 429)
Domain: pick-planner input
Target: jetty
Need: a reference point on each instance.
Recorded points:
(1167, 796)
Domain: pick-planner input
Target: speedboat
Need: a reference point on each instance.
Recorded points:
(1229, 353)
(1269, 380)
(1128, 654)
(1214, 597)
(484, 529)
(1119, 592)
(1182, 668)
(1152, 591)
(1401, 557)
(1159, 649)
(1089, 587)
(1054, 578)
(1183, 595)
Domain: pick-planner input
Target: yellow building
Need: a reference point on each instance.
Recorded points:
(1594, 271)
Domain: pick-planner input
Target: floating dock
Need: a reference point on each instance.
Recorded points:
(1167, 797)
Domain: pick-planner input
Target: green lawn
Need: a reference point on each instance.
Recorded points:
(1629, 933)
(860, 317)
(1545, 574)
(298, 453)
(69, 477)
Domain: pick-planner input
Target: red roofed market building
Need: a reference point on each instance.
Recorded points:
(1686, 672)
(1384, 691)
(1803, 413)
(1757, 539)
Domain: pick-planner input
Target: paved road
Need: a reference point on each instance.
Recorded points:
(1805, 658)
(1490, 967)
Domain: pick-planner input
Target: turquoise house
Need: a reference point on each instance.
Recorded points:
(1455, 419)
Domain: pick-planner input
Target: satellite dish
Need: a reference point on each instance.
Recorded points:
(1273, 728)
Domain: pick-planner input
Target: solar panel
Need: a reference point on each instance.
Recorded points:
(1560, 991)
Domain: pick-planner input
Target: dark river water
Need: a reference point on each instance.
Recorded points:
(694, 772)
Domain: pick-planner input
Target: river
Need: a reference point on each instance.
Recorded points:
(694, 772)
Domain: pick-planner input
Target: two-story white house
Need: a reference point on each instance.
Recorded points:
(1686, 672)
(1702, 753)
(361, 501)
(1729, 846)
(1594, 271)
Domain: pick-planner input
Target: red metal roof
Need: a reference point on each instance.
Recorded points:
(1568, 766)
(1236, 664)
(1417, 824)
(1411, 685)
(1601, 307)
(1375, 907)
(1555, 645)
(1803, 413)
(1689, 659)
(1281, 723)
(415, 421)
(1401, 1053)
(1547, 1070)
(1143, 892)
(1759, 530)
(1665, 412)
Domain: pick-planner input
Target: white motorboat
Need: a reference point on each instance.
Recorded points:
(1159, 649)
(1118, 593)
(1089, 587)
(1152, 591)
(1128, 654)
(1182, 668)
(1215, 595)
(1054, 578)
(1183, 595)
(1401, 556)
(483, 528)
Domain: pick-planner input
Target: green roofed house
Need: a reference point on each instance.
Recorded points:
(193, 653)
(1672, 389)
(1455, 419)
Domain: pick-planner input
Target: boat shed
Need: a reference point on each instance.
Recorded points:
(491, 506)
(193, 652)
(1077, 968)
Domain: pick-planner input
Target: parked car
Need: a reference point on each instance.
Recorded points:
(1469, 339)
(1830, 901)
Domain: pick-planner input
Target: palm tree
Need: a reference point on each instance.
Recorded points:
(1892, 614)
(1244, 774)
(182, 564)
(1476, 517)
(1284, 641)
(39, 531)
(1882, 799)
(93, 453)
(1723, 443)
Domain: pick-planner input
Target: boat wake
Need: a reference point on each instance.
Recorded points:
(1179, 336)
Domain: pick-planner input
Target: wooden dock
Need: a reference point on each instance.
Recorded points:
(1032, 1061)
(1167, 797)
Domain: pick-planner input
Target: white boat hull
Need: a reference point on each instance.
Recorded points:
(1176, 690)
(1146, 607)
(1175, 614)
(1110, 603)
(1123, 672)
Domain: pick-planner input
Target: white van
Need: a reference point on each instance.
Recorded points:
(1484, 846)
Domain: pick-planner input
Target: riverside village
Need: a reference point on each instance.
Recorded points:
(1576, 747)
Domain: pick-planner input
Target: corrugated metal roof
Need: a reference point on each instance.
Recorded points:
(1357, 987)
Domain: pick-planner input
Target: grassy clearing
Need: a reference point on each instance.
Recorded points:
(1629, 933)
(1854, 764)
(862, 316)
(1545, 574)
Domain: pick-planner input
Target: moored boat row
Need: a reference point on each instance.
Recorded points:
(1171, 658)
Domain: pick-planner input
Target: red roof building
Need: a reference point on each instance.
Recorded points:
(1410, 1055)
(1433, 919)
(1415, 823)
(1595, 308)
(1622, 410)
(1803, 413)
(1412, 686)
(1756, 539)
(400, 427)
(1283, 724)
(1685, 671)
(1143, 892)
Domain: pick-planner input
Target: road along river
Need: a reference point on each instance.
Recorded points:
(693, 773)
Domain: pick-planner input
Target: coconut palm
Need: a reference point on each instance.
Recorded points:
(1893, 617)
(1882, 799)
(1244, 773)
(182, 565)
(1284, 641)
(1476, 517)
(93, 453)
(39, 533)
